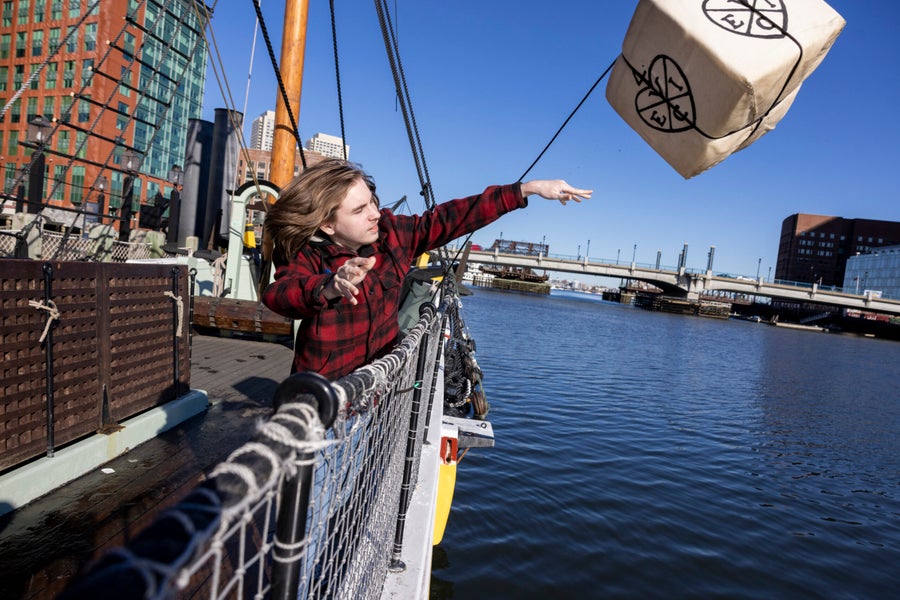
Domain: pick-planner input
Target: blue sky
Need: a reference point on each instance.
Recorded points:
(491, 82)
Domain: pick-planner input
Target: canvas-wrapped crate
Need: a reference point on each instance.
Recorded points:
(699, 80)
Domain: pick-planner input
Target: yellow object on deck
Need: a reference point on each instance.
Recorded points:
(249, 236)
(446, 485)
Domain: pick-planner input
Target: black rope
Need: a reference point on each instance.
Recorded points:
(337, 73)
(393, 52)
(547, 147)
(295, 130)
(392, 49)
(569, 118)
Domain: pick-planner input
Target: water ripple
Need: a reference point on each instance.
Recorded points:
(656, 456)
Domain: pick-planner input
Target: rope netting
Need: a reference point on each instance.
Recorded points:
(338, 487)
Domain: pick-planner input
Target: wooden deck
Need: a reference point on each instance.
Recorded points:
(45, 543)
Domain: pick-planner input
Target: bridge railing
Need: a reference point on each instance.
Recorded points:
(692, 271)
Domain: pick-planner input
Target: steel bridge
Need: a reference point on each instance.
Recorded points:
(690, 283)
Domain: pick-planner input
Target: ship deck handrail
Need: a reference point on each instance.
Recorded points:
(347, 515)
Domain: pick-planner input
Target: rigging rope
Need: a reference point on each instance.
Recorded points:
(295, 130)
(250, 69)
(415, 142)
(547, 147)
(337, 72)
(227, 97)
(392, 49)
(569, 118)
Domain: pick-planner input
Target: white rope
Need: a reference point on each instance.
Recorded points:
(180, 304)
(218, 269)
(52, 315)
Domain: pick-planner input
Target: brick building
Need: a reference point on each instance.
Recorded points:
(815, 248)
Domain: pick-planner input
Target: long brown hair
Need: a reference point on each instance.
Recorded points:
(310, 199)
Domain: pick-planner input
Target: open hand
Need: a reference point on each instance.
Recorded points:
(348, 276)
(555, 189)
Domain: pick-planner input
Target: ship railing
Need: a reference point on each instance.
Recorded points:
(57, 246)
(313, 507)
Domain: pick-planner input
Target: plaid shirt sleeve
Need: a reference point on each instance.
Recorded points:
(336, 336)
(296, 292)
(456, 218)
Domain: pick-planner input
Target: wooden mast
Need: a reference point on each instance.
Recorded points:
(284, 144)
(293, 50)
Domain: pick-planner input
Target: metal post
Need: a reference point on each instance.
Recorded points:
(290, 524)
(436, 371)
(658, 258)
(395, 564)
(175, 177)
(175, 374)
(48, 358)
(37, 134)
(192, 282)
(127, 200)
(36, 183)
(131, 160)
(20, 193)
(100, 185)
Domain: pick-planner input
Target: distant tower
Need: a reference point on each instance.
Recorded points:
(262, 130)
(328, 145)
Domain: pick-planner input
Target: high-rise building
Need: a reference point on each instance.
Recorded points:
(815, 248)
(106, 80)
(262, 130)
(328, 145)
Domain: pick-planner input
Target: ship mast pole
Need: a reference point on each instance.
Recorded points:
(293, 50)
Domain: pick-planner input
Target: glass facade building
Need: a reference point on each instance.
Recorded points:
(111, 77)
(877, 272)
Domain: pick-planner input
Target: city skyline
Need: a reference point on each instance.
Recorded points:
(486, 110)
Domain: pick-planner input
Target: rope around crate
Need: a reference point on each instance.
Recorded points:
(180, 304)
(52, 315)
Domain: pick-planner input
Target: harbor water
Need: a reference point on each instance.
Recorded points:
(646, 455)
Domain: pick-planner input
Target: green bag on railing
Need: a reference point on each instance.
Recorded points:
(420, 286)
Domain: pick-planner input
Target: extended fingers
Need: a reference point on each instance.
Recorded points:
(567, 192)
(345, 287)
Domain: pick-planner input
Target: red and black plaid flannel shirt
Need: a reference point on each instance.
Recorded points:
(336, 337)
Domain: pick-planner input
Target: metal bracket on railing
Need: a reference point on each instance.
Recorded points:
(299, 386)
(291, 520)
(426, 308)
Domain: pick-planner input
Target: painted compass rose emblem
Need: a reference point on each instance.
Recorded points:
(665, 102)
(752, 18)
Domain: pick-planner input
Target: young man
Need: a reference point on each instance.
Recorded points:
(340, 260)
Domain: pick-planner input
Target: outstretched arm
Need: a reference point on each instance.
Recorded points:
(555, 189)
